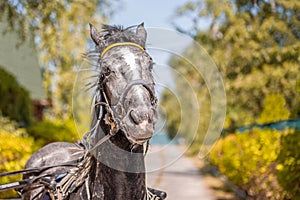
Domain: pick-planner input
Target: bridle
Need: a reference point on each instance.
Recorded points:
(116, 113)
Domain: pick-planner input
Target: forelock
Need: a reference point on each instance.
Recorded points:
(115, 34)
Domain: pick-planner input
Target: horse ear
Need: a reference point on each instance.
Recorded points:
(141, 32)
(95, 35)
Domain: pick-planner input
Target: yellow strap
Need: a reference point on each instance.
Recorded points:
(120, 44)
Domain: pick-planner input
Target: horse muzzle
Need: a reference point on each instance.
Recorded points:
(137, 122)
(140, 123)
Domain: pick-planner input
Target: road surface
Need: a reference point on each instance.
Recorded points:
(175, 174)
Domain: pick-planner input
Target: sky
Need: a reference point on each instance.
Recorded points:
(155, 13)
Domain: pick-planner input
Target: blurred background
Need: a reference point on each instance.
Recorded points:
(255, 45)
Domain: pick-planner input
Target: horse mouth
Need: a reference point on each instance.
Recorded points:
(137, 132)
(140, 140)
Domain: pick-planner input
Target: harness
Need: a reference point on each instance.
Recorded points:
(60, 186)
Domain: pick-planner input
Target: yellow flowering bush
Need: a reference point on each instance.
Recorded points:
(249, 160)
(288, 168)
(15, 149)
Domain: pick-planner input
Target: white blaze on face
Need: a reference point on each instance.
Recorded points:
(130, 59)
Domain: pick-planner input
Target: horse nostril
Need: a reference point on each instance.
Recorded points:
(135, 118)
(138, 116)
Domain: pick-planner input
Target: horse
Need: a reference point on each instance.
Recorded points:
(108, 164)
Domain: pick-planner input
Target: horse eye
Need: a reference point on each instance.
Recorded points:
(107, 72)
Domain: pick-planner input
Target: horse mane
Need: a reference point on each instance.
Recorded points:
(108, 30)
(116, 28)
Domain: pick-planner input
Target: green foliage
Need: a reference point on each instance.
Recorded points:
(274, 109)
(15, 149)
(288, 169)
(249, 161)
(61, 31)
(256, 45)
(15, 102)
(47, 131)
(189, 111)
(297, 108)
(172, 113)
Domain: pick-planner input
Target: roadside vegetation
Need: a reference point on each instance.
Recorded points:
(255, 45)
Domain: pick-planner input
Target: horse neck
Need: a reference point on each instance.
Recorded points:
(120, 175)
(119, 185)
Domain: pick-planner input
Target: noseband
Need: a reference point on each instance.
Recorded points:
(116, 113)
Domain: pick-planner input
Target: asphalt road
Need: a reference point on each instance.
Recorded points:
(175, 174)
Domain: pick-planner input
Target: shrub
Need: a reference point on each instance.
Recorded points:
(53, 131)
(15, 102)
(249, 160)
(288, 169)
(15, 149)
(274, 109)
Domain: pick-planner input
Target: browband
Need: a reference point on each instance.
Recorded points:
(121, 44)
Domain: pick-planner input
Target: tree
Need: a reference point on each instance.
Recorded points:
(15, 101)
(256, 45)
(60, 32)
(197, 115)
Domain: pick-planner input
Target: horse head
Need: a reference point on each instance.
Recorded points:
(127, 100)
